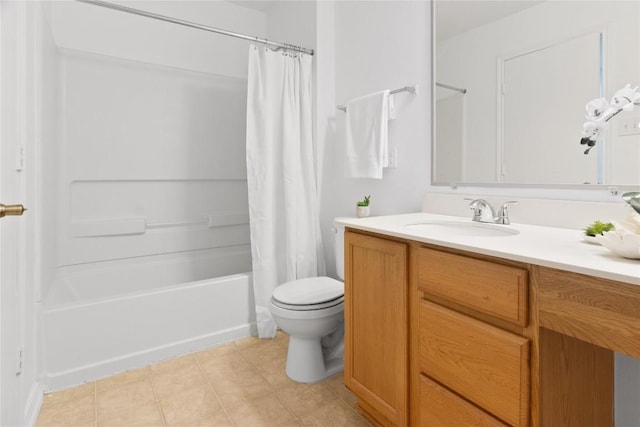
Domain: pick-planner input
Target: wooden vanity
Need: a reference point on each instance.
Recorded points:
(437, 336)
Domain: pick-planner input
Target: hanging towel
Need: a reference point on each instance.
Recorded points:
(367, 141)
(392, 107)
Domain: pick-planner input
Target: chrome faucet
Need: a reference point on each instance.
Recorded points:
(483, 212)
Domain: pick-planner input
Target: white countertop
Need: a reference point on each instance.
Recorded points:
(558, 248)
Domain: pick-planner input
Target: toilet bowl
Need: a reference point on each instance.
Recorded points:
(311, 312)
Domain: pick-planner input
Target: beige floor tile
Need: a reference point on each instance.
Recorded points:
(169, 366)
(265, 352)
(246, 377)
(234, 387)
(123, 398)
(48, 422)
(218, 420)
(190, 405)
(71, 394)
(223, 365)
(176, 375)
(265, 411)
(275, 373)
(145, 415)
(75, 406)
(303, 399)
(336, 384)
(335, 414)
(221, 350)
(246, 342)
(282, 338)
(124, 378)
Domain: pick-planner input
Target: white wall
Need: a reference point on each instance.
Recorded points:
(378, 45)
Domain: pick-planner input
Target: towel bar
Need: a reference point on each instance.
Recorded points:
(411, 89)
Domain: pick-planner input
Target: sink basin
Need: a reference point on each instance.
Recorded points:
(463, 229)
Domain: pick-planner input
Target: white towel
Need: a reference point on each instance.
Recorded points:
(392, 107)
(367, 141)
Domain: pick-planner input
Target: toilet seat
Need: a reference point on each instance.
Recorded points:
(314, 293)
(298, 307)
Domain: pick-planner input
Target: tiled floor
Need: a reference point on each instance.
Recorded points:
(242, 383)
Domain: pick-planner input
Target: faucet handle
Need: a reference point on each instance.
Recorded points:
(482, 210)
(476, 207)
(503, 213)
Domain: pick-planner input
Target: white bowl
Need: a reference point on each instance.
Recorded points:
(627, 246)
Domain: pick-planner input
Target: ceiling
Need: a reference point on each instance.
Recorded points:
(263, 6)
(457, 16)
(453, 16)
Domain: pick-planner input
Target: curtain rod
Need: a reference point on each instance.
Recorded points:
(139, 12)
(411, 89)
(457, 89)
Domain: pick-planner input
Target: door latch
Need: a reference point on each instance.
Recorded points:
(15, 210)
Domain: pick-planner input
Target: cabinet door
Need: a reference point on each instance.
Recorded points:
(376, 325)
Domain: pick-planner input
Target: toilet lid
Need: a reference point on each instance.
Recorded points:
(314, 290)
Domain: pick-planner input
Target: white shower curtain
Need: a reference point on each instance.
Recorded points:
(281, 172)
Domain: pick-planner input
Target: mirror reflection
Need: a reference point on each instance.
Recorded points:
(512, 79)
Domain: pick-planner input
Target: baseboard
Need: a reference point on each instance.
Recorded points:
(55, 381)
(33, 404)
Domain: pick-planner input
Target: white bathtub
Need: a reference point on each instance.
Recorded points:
(93, 339)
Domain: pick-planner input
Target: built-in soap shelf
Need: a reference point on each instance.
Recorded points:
(140, 225)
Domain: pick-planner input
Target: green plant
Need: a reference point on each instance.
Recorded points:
(598, 227)
(364, 202)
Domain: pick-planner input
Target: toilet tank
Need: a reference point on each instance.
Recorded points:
(338, 248)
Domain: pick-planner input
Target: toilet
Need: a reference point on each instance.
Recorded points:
(311, 311)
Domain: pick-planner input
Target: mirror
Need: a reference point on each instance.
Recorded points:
(511, 81)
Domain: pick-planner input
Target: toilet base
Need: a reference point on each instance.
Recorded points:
(306, 362)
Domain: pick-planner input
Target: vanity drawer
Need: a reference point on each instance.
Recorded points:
(439, 407)
(482, 363)
(498, 290)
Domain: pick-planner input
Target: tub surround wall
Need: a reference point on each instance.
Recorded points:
(147, 186)
(152, 158)
(150, 183)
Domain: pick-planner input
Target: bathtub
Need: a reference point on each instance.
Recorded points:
(93, 338)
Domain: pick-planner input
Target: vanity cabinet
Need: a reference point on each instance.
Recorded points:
(377, 326)
(441, 337)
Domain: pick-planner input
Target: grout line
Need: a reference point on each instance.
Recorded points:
(284, 405)
(270, 387)
(156, 396)
(95, 403)
(213, 390)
